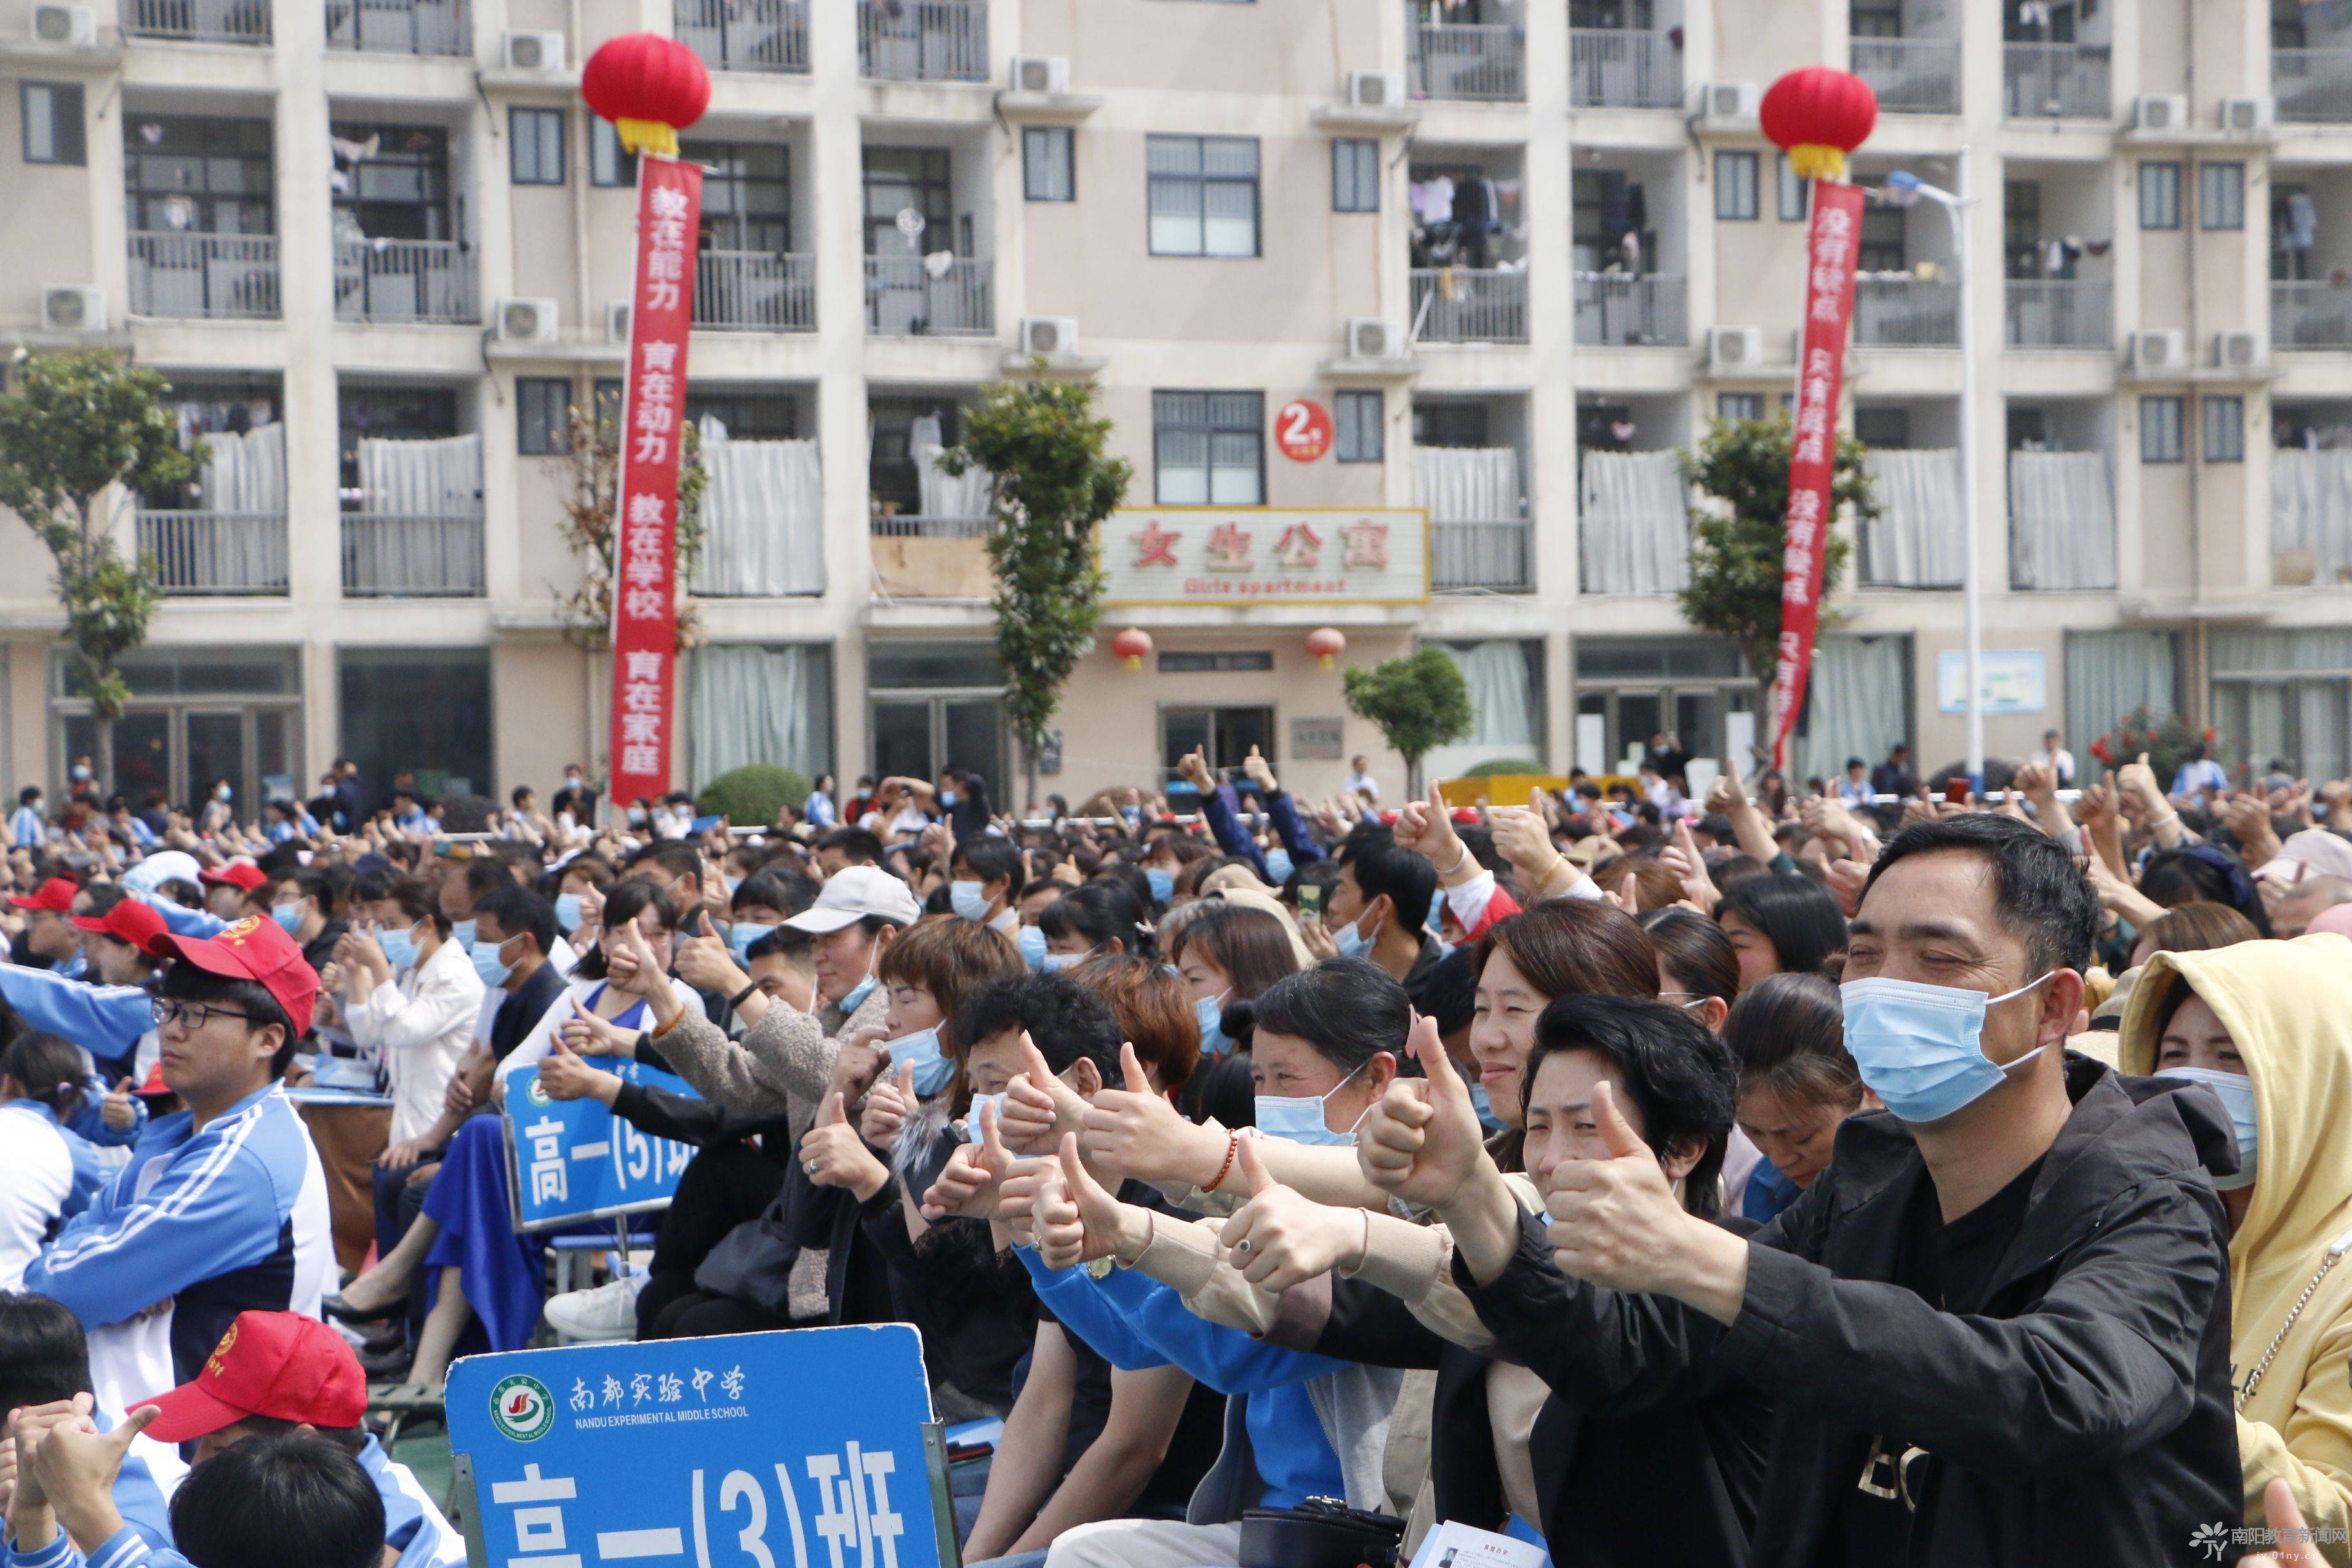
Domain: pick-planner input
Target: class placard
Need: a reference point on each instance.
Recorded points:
(573, 1159)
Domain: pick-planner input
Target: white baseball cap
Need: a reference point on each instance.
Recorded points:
(855, 892)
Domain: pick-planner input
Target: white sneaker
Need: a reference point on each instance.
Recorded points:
(606, 1313)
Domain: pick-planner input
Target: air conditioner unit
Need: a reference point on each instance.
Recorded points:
(526, 322)
(2248, 113)
(1049, 335)
(2159, 351)
(1734, 348)
(2165, 112)
(2241, 350)
(73, 25)
(72, 308)
(1368, 337)
(1729, 105)
(616, 321)
(1375, 90)
(534, 51)
(1041, 73)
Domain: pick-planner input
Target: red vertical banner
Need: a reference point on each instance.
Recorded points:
(1812, 456)
(645, 509)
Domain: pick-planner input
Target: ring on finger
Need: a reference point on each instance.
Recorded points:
(1242, 1246)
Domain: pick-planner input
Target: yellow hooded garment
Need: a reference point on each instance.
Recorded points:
(2288, 1007)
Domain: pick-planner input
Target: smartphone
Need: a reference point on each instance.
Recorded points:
(1310, 901)
(1956, 792)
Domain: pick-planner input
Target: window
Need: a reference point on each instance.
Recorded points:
(542, 404)
(2225, 429)
(1736, 406)
(2222, 195)
(401, 192)
(1208, 448)
(1047, 173)
(1362, 436)
(1204, 195)
(1355, 175)
(1883, 425)
(52, 123)
(535, 138)
(747, 194)
(2160, 196)
(608, 164)
(424, 710)
(2160, 429)
(1735, 186)
(1216, 663)
(899, 178)
(202, 175)
(1795, 193)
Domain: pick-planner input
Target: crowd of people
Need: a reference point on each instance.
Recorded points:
(1739, 1175)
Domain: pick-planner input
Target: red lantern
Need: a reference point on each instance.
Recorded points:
(651, 88)
(1325, 643)
(1133, 644)
(1817, 116)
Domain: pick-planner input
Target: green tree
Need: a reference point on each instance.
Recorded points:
(1043, 444)
(591, 469)
(1417, 700)
(78, 425)
(1737, 544)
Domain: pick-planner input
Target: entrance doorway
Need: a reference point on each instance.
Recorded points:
(1628, 691)
(937, 705)
(196, 716)
(1224, 735)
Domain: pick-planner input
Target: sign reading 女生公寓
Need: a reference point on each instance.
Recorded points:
(1266, 555)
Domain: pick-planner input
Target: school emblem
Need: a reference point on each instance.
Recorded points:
(522, 1409)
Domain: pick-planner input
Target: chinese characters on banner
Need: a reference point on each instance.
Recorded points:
(1829, 304)
(574, 1160)
(1259, 555)
(644, 513)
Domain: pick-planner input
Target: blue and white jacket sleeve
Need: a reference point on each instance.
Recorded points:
(1218, 809)
(104, 1020)
(213, 1210)
(124, 1549)
(1227, 1359)
(90, 1122)
(181, 921)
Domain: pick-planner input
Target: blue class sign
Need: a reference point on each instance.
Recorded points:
(572, 1160)
(802, 1448)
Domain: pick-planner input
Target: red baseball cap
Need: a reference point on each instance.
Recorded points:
(56, 895)
(279, 1364)
(254, 948)
(241, 874)
(131, 922)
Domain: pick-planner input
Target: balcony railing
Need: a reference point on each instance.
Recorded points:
(427, 281)
(2060, 313)
(211, 553)
(199, 21)
(218, 277)
(401, 556)
(746, 34)
(1906, 312)
(1913, 76)
(1622, 309)
(2311, 85)
(898, 525)
(400, 26)
(2056, 82)
(1492, 555)
(754, 291)
(2315, 315)
(1614, 68)
(922, 40)
(1469, 305)
(1479, 61)
(904, 299)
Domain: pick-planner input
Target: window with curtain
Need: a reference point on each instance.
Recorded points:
(753, 703)
(2160, 196)
(53, 121)
(1208, 448)
(1793, 192)
(2108, 675)
(1735, 185)
(1362, 436)
(1048, 164)
(1732, 406)
(609, 164)
(535, 145)
(1204, 195)
(1355, 175)
(2160, 419)
(542, 406)
(2225, 428)
(2222, 195)
(1504, 678)
(1857, 703)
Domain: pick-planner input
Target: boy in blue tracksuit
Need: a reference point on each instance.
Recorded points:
(112, 1020)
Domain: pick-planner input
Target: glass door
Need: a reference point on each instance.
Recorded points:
(915, 737)
(215, 750)
(902, 739)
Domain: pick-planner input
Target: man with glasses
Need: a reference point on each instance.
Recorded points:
(223, 1208)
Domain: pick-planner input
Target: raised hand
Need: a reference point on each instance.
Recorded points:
(1524, 838)
(1422, 1141)
(1281, 1237)
(1846, 879)
(1427, 826)
(1192, 767)
(76, 1465)
(1261, 774)
(1683, 854)
(891, 1102)
(1075, 1220)
(589, 1035)
(116, 1109)
(860, 1062)
(565, 1077)
(833, 1155)
(630, 964)
(1134, 1132)
(971, 1184)
(1039, 1108)
(707, 962)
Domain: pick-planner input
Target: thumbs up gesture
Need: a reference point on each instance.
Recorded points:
(893, 1099)
(1279, 1237)
(116, 1109)
(1134, 1132)
(1039, 1108)
(971, 1184)
(1422, 1139)
(833, 1155)
(1075, 1220)
(1616, 1221)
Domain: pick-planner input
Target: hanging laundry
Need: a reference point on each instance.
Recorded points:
(1632, 248)
(150, 134)
(937, 263)
(2097, 246)
(352, 152)
(1445, 283)
(2302, 221)
(1621, 430)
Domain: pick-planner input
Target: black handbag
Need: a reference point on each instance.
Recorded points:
(1321, 1532)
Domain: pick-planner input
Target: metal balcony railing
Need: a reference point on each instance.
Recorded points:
(1469, 305)
(746, 34)
(922, 40)
(906, 299)
(1484, 60)
(218, 277)
(1497, 556)
(899, 525)
(1911, 76)
(2311, 85)
(754, 291)
(199, 21)
(429, 280)
(2311, 315)
(1625, 310)
(198, 553)
(1906, 312)
(2055, 81)
(405, 556)
(400, 26)
(1614, 68)
(2060, 313)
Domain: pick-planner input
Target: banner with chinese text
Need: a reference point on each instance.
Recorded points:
(645, 510)
(1812, 457)
(1264, 555)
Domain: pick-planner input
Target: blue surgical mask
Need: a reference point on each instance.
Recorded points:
(287, 916)
(968, 899)
(462, 933)
(570, 910)
(1299, 1119)
(1351, 940)
(1917, 1045)
(1030, 939)
(1164, 883)
(1057, 962)
(1210, 1011)
(742, 934)
(2236, 1093)
(947, 799)
(920, 1050)
(1278, 866)
(857, 995)
(971, 1133)
(399, 946)
(1485, 1109)
(493, 969)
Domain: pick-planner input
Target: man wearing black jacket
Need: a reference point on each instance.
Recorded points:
(1995, 1329)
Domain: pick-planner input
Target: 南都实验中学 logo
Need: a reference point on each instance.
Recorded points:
(522, 1408)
